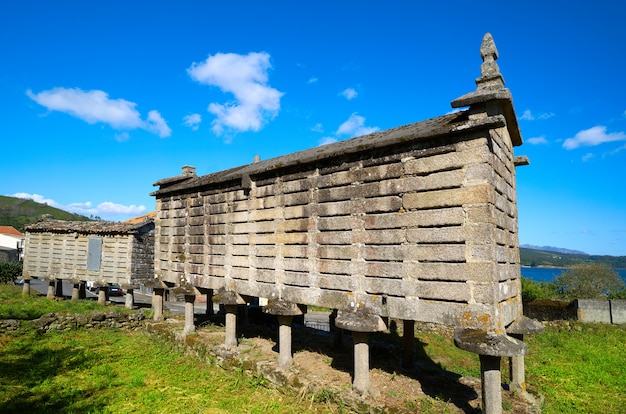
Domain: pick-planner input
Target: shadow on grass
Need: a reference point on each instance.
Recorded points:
(28, 370)
(385, 354)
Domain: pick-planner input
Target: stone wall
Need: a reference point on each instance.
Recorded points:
(97, 320)
(417, 222)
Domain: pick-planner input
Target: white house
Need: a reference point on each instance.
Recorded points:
(11, 244)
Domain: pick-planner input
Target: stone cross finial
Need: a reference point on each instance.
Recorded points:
(490, 78)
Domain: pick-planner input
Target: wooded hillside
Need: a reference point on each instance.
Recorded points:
(18, 212)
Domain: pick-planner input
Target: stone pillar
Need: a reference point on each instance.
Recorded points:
(361, 322)
(130, 298)
(285, 311)
(231, 326)
(157, 303)
(75, 291)
(51, 288)
(82, 290)
(26, 287)
(517, 330)
(230, 300)
(490, 347)
(58, 292)
(190, 327)
(209, 303)
(102, 294)
(408, 343)
(337, 333)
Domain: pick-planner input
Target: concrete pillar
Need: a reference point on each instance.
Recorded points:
(231, 326)
(361, 383)
(491, 384)
(209, 303)
(75, 291)
(285, 357)
(102, 294)
(408, 343)
(26, 287)
(490, 347)
(522, 326)
(58, 292)
(51, 289)
(82, 291)
(337, 332)
(157, 303)
(190, 327)
(361, 322)
(130, 299)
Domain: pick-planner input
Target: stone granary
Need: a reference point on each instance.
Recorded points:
(415, 223)
(95, 252)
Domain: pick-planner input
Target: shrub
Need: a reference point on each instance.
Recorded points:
(532, 290)
(589, 281)
(9, 271)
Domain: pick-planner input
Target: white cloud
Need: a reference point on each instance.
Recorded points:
(193, 121)
(95, 106)
(245, 76)
(122, 136)
(318, 128)
(537, 140)
(593, 136)
(527, 115)
(355, 126)
(155, 123)
(587, 156)
(104, 210)
(349, 94)
(312, 80)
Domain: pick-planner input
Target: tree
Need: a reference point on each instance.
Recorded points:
(589, 281)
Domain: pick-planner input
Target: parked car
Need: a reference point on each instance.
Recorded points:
(115, 290)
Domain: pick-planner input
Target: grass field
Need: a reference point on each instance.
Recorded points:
(576, 367)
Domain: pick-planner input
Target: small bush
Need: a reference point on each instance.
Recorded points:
(10, 271)
(532, 290)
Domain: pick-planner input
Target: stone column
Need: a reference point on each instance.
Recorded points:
(517, 330)
(209, 303)
(285, 311)
(337, 333)
(157, 303)
(129, 302)
(408, 343)
(26, 287)
(190, 327)
(231, 300)
(58, 289)
(51, 289)
(361, 321)
(75, 291)
(490, 347)
(82, 290)
(102, 294)
(231, 326)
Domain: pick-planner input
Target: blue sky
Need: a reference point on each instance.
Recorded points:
(99, 100)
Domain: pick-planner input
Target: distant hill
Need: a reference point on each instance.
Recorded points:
(552, 249)
(18, 212)
(546, 258)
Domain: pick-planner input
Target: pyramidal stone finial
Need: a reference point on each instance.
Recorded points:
(490, 78)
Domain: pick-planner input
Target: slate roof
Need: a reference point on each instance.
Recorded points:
(88, 227)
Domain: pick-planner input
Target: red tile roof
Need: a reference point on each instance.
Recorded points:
(10, 230)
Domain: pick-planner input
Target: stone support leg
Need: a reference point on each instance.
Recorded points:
(59, 289)
(231, 326)
(190, 327)
(408, 343)
(130, 299)
(82, 291)
(516, 369)
(157, 303)
(491, 384)
(209, 303)
(361, 382)
(26, 287)
(51, 288)
(284, 342)
(102, 295)
(76, 291)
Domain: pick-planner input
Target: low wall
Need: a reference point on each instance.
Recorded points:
(58, 322)
(584, 310)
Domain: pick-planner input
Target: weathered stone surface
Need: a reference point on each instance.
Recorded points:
(487, 343)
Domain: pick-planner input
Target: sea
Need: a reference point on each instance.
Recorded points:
(549, 274)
